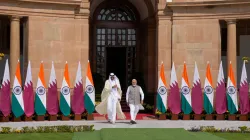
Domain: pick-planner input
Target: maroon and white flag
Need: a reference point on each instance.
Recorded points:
(244, 101)
(221, 99)
(174, 99)
(5, 106)
(28, 94)
(52, 100)
(77, 101)
(196, 95)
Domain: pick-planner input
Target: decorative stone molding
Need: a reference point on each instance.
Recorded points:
(64, 2)
(231, 21)
(229, 9)
(207, 3)
(15, 18)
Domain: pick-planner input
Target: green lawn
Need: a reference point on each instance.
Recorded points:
(37, 136)
(129, 134)
(233, 136)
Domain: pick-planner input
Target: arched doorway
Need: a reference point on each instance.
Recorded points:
(115, 43)
(123, 41)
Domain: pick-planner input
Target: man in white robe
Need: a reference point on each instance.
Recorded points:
(133, 99)
(111, 97)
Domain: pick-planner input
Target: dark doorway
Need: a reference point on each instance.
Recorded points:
(116, 63)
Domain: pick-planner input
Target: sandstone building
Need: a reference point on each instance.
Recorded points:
(128, 37)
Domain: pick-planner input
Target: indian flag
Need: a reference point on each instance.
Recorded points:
(17, 94)
(65, 93)
(208, 92)
(162, 92)
(185, 92)
(232, 103)
(40, 98)
(89, 96)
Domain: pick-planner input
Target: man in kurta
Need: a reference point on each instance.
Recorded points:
(111, 97)
(133, 99)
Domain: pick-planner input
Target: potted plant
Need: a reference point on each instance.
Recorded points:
(162, 116)
(246, 59)
(1, 56)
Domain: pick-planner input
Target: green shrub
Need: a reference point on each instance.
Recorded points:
(48, 129)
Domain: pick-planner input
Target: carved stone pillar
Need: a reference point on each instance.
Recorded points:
(231, 46)
(14, 44)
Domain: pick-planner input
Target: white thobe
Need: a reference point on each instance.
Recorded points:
(134, 109)
(112, 101)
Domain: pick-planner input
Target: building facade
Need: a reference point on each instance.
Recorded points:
(128, 37)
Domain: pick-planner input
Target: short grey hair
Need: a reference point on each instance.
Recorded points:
(134, 79)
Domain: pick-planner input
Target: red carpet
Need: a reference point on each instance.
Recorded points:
(140, 116)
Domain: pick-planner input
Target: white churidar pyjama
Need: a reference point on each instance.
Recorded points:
(134, 109)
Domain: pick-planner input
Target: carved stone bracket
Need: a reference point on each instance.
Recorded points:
(83, 10)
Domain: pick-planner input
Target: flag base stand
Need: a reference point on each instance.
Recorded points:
(4, 119)
(90, 117)
(186, 116)
(231, 117)
(220, 117)
(65, 118)
(28, 119)
(197, 116)
(162, 117)
(209, 117)
(40, 118)
(175, 117)
(14, 119)
(78, 117)
(52, 117)
(243, 117)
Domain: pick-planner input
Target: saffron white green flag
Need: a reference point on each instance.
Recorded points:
(65, 93)
(89, 96)
(186, 105)
(17, 94)
(162, 92)
(232, 103)
(40, 98)
(208, 92)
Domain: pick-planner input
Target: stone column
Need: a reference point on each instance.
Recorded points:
(14, 45)
(151, 56)
(164, 44)
(164, 35)
(231, 46)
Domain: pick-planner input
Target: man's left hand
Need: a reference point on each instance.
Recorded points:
(142, 102)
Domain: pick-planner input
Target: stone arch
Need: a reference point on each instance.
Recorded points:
(145, 7)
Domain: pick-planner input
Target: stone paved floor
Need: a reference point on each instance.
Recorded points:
(140, 124)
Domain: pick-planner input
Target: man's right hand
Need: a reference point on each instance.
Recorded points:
(115, 86)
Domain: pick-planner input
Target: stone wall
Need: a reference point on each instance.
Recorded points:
(59, 40)
(196, 40)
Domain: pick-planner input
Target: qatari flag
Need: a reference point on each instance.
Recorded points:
(244, 101)
(196, 95)
(28, 94)
(52, 100)
(77, 101)
(174, 96)
(221, 99)
(5, 106)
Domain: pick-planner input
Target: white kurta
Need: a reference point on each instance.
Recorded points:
(134, 109)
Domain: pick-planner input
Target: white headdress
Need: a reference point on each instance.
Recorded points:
(115, 78)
